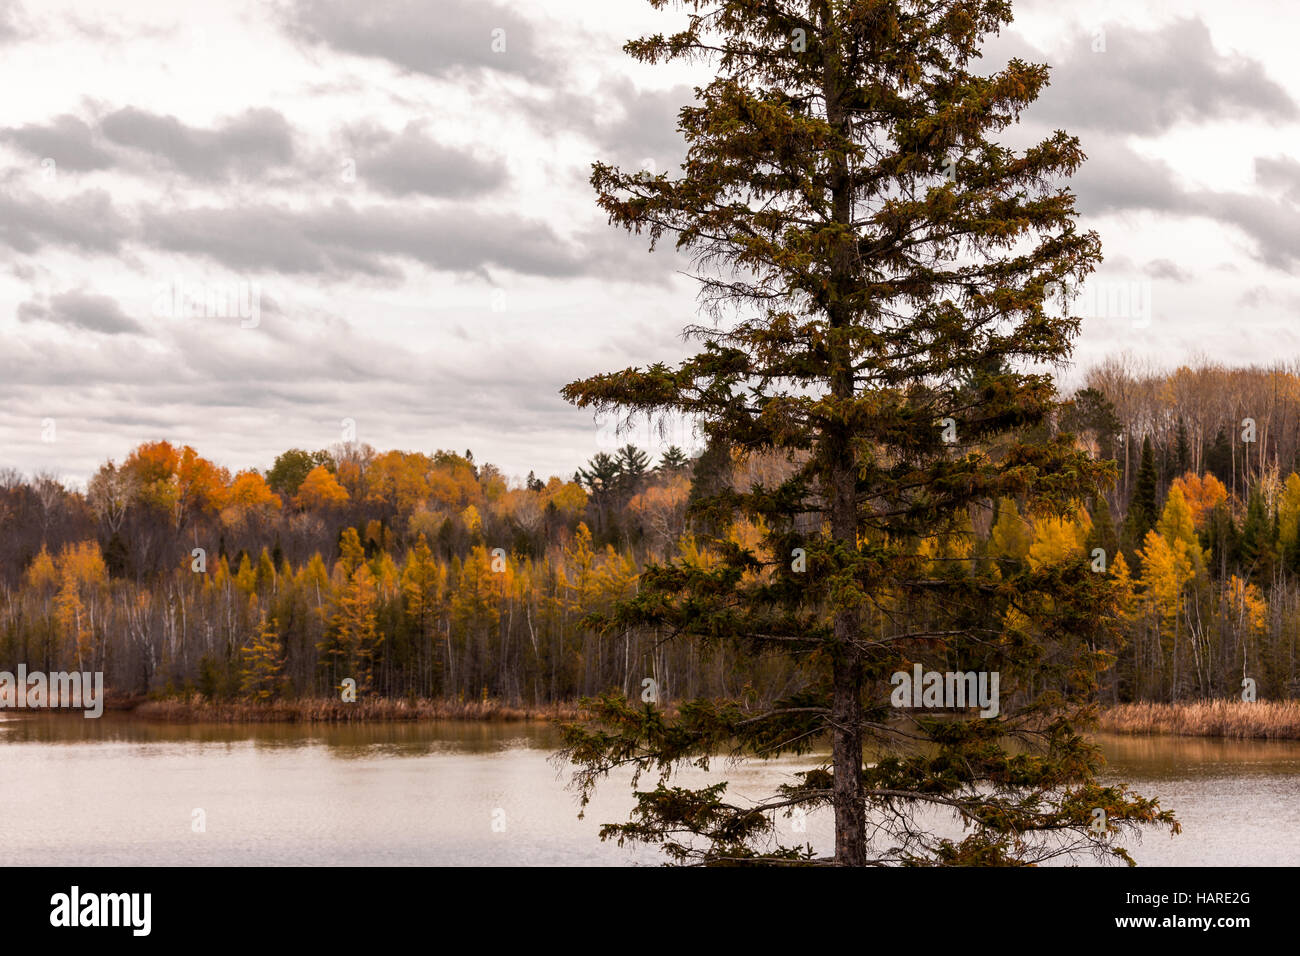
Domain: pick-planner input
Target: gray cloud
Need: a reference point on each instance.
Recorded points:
(341, 239)
(628, 125)
(12, 27)
(1262, 297)
(456, 374)
(243, 396)
(1117, 178)
(1166, 269)
(69, 141)
(1273, 225)
(86, 221)
(412, 162)
(1120, 180)
(1147, 81)
(436, 39)
(1279, 174)
(80, 310)
(648, 127)
(246, 144)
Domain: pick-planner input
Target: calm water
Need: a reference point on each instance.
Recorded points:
(123, 792)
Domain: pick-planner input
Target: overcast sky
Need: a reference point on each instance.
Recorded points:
(407, 204)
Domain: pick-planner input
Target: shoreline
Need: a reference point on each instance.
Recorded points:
(1212, 719)
(331, 711)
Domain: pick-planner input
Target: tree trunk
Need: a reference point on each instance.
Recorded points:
(846, 716)
(841, 476)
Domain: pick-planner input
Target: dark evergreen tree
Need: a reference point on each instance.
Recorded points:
(1218, 458)
(1257, 540)
(117, 558)
(882, 264)
(710, 481)
(1290, 555)
(1091, 414)
(1143, 509)
(1103, 534)
(672, 460)
(1182, 451)
(633, 465)
(601, 474)
(602, 478)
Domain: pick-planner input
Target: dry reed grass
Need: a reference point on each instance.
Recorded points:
(1266, 719)
(199, 709)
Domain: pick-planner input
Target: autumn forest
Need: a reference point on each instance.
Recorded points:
(426, 575)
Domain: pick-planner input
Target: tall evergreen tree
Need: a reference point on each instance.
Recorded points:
(710, 480)
(673, 460)
(602, 478)
(1143, 508)
(1218, 458)
(633, 465)
(1182, 450)
(1257, 539)
(1102, 534)
(882, 265)
(1222, 540)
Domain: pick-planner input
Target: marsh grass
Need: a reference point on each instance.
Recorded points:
(1265, 719)
(200, 709)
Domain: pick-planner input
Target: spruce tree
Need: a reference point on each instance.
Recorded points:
(633, 465)
(1257, 540)
(1102, 534)
(673, 460)
(1182, 451)
(877, 264)
(1218, 458)
(1142, 508)
(1223, 541)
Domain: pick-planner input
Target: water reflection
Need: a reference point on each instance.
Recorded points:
(122, 791)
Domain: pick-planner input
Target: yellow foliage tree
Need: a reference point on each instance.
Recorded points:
(399, 479)
(1246, 605)
(41, 575)
(320, 491)
(249, 498)
(81, 573)
(1201, 493)
(351, 553)
(1056, 541)
(424, 583)
(1125, 589)
(1177, 528)
(245, 576)
(473, 520)
(1166, 569)
(261, 677)
(568, 498)
(354, 636)
(1011, 537)
(1288, 512)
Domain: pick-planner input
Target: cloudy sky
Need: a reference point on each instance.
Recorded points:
(383, 207)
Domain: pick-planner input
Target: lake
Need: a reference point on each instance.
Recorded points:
(120, 791)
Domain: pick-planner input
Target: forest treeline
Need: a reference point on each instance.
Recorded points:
(428, 575)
